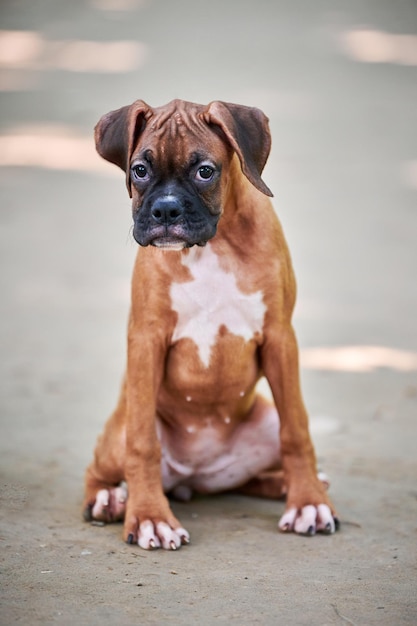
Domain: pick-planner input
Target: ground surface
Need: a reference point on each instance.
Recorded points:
(339, 83)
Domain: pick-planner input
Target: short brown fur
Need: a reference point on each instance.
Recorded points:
(250, 244)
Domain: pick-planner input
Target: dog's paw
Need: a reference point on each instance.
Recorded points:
(109, 505)
(309, 520)
(150, 536)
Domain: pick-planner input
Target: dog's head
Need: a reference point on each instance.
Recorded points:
(177, 159)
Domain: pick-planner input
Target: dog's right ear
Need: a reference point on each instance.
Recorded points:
(247, 131)
(117, 132)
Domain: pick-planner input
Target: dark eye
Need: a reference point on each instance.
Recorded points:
(205, 172)
(140, 171)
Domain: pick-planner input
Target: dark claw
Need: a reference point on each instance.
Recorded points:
(310, 532)
(336, 523)
(328, 529)
(87, 513)
(130, 539)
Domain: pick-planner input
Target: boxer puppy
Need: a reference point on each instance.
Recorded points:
(213, 292)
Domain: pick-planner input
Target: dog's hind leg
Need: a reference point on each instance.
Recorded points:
(271, 484)
(268, 484)
(105, 492)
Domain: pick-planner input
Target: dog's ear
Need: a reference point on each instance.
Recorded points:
(247, 131)
(117, 132)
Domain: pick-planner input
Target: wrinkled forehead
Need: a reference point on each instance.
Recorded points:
(178, 132)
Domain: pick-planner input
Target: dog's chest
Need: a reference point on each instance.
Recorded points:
(212, 302)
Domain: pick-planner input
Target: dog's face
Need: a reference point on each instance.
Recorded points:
(178, 174)
(177, 160)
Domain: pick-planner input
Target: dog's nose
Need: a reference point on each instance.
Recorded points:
(166, 210)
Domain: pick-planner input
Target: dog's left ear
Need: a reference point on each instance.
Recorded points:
(117, 132)
(247, 131)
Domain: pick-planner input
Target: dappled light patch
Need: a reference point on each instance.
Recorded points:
(56, 147)
(375, 46)
(358, 358)
(30, 50)
(118, 5)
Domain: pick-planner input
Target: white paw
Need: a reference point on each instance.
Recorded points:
(110, 504)
(161, 535)
(309, 520)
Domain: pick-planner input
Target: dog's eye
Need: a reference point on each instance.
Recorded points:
(140, 171)
(205, 172)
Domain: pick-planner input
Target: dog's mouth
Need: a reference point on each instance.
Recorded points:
(172, 243)
(173, 237)
(169, 243)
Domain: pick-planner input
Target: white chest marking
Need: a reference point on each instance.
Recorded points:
(211, 300)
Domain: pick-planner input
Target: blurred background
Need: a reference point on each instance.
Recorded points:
(338, 81)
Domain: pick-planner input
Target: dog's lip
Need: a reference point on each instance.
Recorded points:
(169, 243)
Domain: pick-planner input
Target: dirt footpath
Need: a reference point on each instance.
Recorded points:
(339, 84)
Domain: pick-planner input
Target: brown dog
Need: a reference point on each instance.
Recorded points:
(212, 297)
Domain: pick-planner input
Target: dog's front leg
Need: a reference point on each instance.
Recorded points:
(148, 519)
(308, 509)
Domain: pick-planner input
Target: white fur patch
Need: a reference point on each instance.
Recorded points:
(211, 300)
